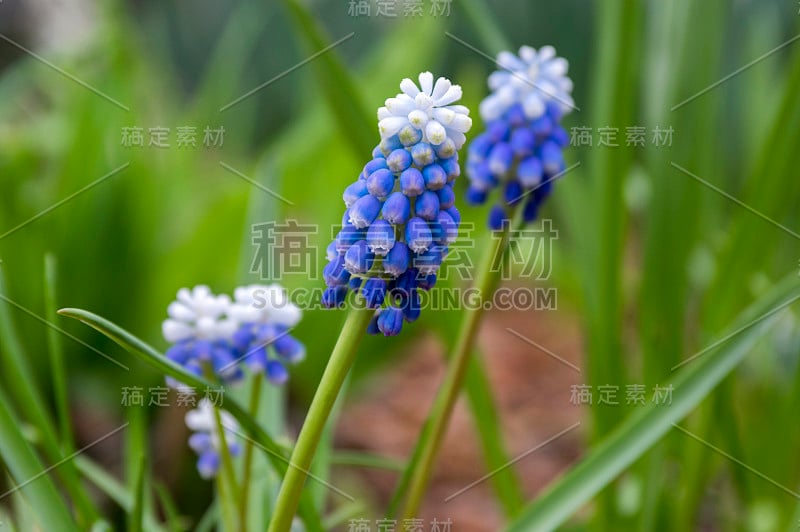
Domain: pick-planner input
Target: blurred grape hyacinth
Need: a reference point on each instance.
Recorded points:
(521, 149)
(212, 332)
(206, 441)
(400, 213)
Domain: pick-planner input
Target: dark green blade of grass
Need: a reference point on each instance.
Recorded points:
(648, 425)
(506, 482)
(135, 516)
(27, 472)
(483, 20)
(56, 351)
(685, 38)
(23, 387)
(613, 102)
(340, 89)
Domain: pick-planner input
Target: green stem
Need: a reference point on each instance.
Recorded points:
(227, 513)
(255, 397)
(226, 478)
(485, 282)
(342, 358)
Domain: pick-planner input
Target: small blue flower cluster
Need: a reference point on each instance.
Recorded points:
(213, 333)
(521, 150)
(205, 440)
(401, 215)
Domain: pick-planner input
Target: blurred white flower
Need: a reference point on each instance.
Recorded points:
(264, 304)
(198, 314)
(532, 79)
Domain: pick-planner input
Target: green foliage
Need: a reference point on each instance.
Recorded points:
(655, 263)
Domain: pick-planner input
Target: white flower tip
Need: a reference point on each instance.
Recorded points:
(409, 87)
(426, 82)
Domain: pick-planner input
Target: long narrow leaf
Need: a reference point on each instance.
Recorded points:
(487, 422)
(30, 475)
(136, 513)
(341, 90)
(648, 425)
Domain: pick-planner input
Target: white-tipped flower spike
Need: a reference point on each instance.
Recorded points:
(206, 441)
(401, 215)
(262, 341)
(210, 332)
(521, 149)
(425, 113)
(532, 79)
(201, 330)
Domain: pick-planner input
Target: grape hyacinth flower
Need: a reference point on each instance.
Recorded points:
(262, 340)
(211, 332)
(400, 213)
(206, 441)
(521, 149)
(201, 330)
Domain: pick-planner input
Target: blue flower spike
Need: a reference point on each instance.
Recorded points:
(205, 440)
(213, 333)
(401, 211)
(266, 313)
(521, 150)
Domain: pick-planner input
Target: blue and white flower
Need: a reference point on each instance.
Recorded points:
(200, 329)
(262, 340)
(206, 441)
(521, 150)
(532, 79)
(212, 333)
(400, 214)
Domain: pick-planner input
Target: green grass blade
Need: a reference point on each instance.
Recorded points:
(209, 519)
(19, 377)
(344, 99)
(137, 511)
(771, 189)
(112, 487)
(171, 512)
(27, 471)
(614, 82)
(646, 426)
(277, 455)
(506, 483)
(372, 461)
(56, 351)
(484, 21)
(105, 482)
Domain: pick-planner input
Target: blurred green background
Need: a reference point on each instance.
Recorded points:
(651, 261)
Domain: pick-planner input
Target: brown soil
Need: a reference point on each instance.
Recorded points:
(531, 389)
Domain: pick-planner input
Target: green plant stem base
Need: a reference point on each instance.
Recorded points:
(433, 434)
(342, 358)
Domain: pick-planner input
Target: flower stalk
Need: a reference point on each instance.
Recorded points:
(255, 397)
(341, 360)
(431, 440)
